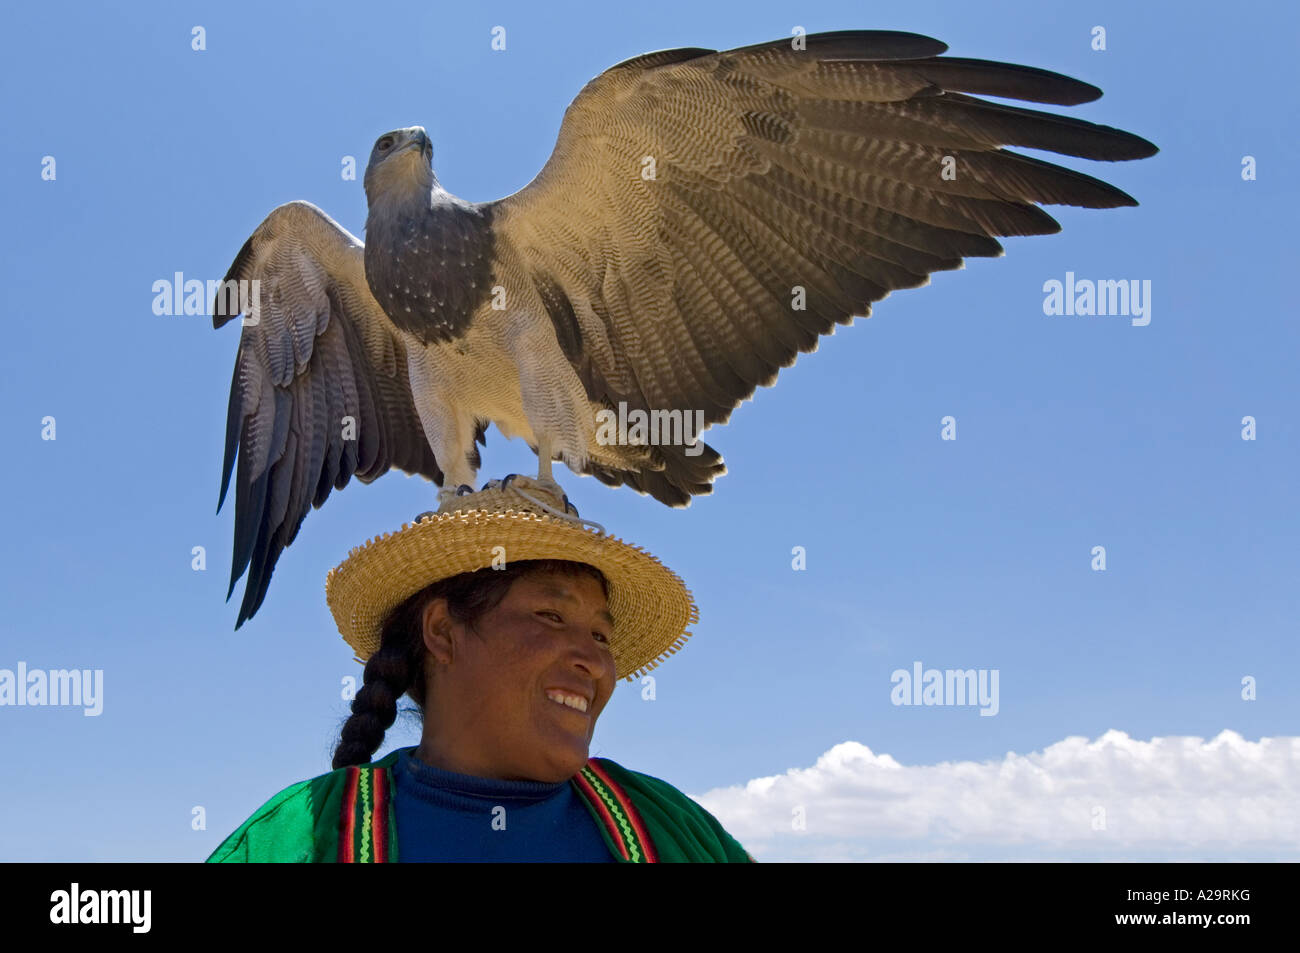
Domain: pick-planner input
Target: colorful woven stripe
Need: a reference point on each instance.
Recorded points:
(379, 818)
(363, 797)
(347, 815)
(621, 820)
(364, 817)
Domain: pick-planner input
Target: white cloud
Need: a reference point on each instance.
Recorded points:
(1116, 798)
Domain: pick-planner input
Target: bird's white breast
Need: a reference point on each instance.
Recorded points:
(474, 375)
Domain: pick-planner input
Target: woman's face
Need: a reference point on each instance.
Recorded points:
(489, 711)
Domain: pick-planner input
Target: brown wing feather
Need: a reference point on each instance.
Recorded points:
(775, 168)
(321, 349)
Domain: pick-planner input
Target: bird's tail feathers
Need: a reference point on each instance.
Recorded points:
(676, 477)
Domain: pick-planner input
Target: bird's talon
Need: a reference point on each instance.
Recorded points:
(464, 489)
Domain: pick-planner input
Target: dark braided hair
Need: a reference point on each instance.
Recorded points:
(397, 666)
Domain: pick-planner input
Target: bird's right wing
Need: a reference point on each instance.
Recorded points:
(692, 192)
(320, 389)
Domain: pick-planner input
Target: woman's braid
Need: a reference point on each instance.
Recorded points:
(389, 674)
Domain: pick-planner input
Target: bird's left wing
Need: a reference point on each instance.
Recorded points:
(706, 216)
(320, 391)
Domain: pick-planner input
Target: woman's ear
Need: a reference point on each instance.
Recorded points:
(436, 626)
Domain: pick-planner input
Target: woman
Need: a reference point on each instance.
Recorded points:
(507, 621)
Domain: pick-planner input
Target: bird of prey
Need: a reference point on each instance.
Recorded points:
(704, 217)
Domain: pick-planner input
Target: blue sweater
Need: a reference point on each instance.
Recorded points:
(444, 816)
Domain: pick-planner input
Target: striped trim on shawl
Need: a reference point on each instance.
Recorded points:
(364, 816)
(622, 821)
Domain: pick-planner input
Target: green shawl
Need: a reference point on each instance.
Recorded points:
(347, 816)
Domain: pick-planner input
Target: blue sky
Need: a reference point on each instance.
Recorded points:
(1073, 432)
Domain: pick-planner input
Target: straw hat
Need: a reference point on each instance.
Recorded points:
(510, 520)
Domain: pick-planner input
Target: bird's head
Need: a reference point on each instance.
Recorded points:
(401, 162)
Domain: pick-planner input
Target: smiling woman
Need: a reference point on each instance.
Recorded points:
(480, 653)
(510, 665)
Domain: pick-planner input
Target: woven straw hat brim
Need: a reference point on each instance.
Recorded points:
(651, 606)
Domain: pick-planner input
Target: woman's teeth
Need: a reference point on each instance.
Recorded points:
(573, 701)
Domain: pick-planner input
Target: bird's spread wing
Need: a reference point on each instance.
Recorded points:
(691, 191)
(320, 351)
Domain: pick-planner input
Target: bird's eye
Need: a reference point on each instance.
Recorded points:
(384, 144)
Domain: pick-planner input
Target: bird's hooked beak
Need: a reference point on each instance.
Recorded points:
(420, 140)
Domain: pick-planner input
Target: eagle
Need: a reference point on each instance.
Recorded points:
(704, 217)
